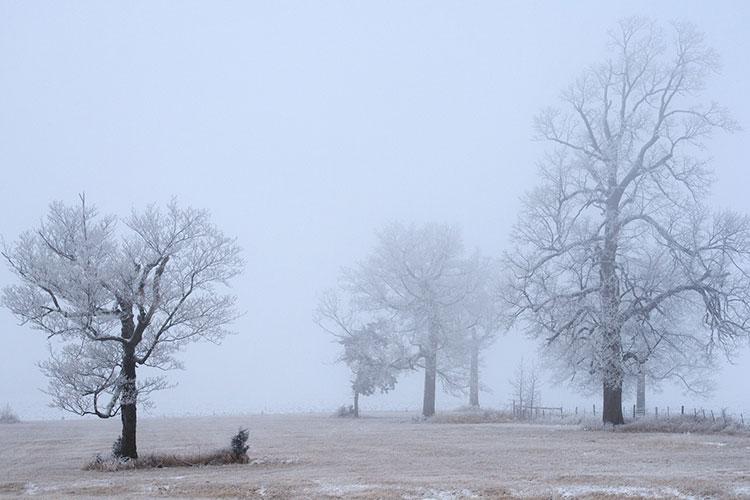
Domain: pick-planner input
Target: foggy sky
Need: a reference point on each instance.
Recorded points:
(303, 127)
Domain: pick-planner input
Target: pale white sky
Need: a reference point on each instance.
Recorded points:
(303, 126)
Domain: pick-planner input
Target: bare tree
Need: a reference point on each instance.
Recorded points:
(617, 235)
(416, 278)
(526, 386)
(112, 301)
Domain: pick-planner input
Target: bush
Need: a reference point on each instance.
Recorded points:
(239, 444)
(8, 416)
(117, 448)
(345, 411)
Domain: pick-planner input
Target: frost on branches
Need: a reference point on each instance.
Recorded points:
(112, 297)
(616, 241)
(416, 302)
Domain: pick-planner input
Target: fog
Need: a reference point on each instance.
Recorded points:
(304, 127)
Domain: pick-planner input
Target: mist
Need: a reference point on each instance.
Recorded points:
(304, 128)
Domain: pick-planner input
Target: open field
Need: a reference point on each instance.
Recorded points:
(318, 456)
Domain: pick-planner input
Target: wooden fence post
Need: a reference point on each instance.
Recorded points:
(682, 410)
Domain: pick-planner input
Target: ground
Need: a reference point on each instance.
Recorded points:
(383, 456)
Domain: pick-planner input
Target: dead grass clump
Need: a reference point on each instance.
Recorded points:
(686, 424)
(8, 415)
(158, 461)
(235, 454)
(472, 416)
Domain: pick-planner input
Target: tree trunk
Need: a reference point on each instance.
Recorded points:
(612, 404)
(430, 375)
(610, 300)
(474, 373)
(640, 396)
(356, 404)
(128, 399)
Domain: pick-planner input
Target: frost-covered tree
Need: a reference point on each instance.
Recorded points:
(372, 350)
(617, 234)
(482, 315)
(112, 299)
(416, 278)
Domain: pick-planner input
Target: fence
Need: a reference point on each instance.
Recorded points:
(528, 412)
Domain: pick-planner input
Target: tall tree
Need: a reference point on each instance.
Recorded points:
(111, 301)
(616, 234)
(417, 277)
(483, 317)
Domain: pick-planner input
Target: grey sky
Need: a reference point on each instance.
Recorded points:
(303, 126)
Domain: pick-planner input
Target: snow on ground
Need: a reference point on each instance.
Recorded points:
(384, 456)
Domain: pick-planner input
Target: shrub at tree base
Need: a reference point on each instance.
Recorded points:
(235, 454)
(345, 411)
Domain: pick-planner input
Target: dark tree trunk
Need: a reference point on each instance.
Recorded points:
(474, 374)
(612, 404)
(356, 404)
(430, 375)
(128, 399)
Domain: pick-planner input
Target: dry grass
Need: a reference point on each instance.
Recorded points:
(159, 461)
(686, 425)
(471, 416)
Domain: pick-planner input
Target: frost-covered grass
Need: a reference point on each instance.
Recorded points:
(159, 461)
(686, 424)
(469, 415)
(381, 456)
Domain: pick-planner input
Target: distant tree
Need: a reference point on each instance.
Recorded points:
(114, 300)
(416, 278)
(526, 385)
(372, 351)
(483, 316)
(616, 236)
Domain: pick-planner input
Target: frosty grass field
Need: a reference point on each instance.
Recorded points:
(382, 456)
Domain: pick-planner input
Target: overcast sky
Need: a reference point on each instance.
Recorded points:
(303, 127)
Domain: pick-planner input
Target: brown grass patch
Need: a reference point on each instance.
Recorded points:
(163, 460)
(477, 416)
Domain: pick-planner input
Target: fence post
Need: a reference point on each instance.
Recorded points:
(593, 408)
(667, 411)
(712, 416)
(682, 410)
(576, 410)
(742, 419)
(656, 413)
(633, 412)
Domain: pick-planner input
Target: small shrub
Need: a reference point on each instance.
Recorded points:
(345, 411)
(117, 448)
(8, 416)
(239, 444)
